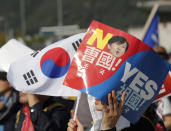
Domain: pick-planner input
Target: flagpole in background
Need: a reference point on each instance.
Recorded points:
(149, 20)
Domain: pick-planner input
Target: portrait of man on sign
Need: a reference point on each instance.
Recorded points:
(117, 46)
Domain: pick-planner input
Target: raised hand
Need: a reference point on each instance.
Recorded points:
(113, 111)
(74, 125)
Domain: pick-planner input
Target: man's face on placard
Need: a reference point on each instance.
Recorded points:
(117, 49)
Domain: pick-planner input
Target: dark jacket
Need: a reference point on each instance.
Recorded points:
(8, 113)
(52, 116)
(144, 124)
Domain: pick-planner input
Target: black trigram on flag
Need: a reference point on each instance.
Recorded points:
(30, 78)
(34, 54)
(76, 44)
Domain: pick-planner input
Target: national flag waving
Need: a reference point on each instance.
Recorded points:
(166, 87)
(43, 72)
(109, 59)
(151, 36)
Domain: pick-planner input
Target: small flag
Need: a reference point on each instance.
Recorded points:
(43, 72)
(151, 37)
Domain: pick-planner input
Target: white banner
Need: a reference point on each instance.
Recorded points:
(12, 51)
(43, 72)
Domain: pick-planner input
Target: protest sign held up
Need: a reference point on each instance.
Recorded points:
(109, 59)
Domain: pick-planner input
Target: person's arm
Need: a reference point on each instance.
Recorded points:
(112, 112)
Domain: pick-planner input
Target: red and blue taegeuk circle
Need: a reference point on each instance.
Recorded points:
(55, 63)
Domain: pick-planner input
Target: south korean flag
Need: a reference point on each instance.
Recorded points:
(43, 71)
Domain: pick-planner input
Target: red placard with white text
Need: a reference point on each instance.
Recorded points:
(110, 59)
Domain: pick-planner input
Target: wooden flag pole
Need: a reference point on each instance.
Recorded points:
(149, 20)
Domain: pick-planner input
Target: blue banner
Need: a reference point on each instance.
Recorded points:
(151, 37)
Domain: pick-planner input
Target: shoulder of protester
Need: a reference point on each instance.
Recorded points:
(11, 106)
(58, 103)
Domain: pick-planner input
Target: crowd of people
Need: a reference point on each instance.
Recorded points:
(31, 112)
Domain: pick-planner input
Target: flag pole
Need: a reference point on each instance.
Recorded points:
(76, 107)
(149, 20)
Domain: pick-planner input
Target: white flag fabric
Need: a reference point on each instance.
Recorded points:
(1, 69)
(43, 72)
(12, 51)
